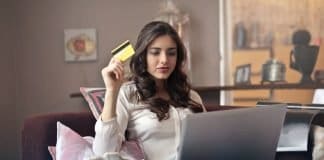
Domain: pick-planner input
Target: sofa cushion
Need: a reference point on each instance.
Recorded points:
(95, 99)
(40, 131)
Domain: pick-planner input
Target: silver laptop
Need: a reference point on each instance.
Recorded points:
(247, 133)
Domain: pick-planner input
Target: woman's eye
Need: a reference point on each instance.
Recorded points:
(154, 52)
(174, 53)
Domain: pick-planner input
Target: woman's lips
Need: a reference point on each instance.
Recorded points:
(163, 69)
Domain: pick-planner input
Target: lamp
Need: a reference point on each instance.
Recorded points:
(171, 14)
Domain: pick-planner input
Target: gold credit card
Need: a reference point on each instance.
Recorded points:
(123, 51)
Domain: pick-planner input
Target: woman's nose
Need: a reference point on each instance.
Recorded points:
(163, 58)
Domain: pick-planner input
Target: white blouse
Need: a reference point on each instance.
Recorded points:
(158, 139)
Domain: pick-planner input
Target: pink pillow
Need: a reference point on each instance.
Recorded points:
(70, 145)
(95, 99)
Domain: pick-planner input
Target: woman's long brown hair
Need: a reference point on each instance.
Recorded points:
(176, 85)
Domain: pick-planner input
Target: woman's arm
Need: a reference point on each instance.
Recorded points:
(112, 75)
(109, 109)
(111, 125)
(110, 134)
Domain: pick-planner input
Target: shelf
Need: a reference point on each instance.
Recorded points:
(75, 95)
(210, 95)
(264, 86)
(247, 87)
(251, 49)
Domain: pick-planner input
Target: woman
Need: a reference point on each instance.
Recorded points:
(150, 106)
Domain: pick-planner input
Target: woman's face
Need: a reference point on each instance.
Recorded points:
(161, 57)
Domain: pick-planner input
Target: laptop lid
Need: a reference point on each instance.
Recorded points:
(297, 125)
(248, 133)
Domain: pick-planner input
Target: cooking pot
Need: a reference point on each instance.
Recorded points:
(273, 71)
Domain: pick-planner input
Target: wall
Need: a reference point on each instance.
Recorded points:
(7, 83)
(44, 81)
(204, 41)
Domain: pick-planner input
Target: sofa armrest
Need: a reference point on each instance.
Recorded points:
(39, 132)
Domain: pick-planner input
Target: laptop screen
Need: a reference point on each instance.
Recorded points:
(248, 133)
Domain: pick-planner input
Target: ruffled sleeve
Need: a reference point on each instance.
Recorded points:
(110, 135)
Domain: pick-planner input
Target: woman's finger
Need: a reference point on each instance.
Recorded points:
(119, 68)
(116, 74)
(115, 60)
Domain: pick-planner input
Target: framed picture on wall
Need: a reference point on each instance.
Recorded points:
(80, 45)
(242, 74)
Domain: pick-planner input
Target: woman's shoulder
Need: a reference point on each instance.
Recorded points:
(194, 95)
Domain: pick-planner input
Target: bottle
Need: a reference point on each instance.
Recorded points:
(239, 36)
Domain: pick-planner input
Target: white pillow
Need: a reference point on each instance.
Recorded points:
(318, 148)
(71, 146)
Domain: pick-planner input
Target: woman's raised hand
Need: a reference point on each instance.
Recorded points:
(113, 74)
